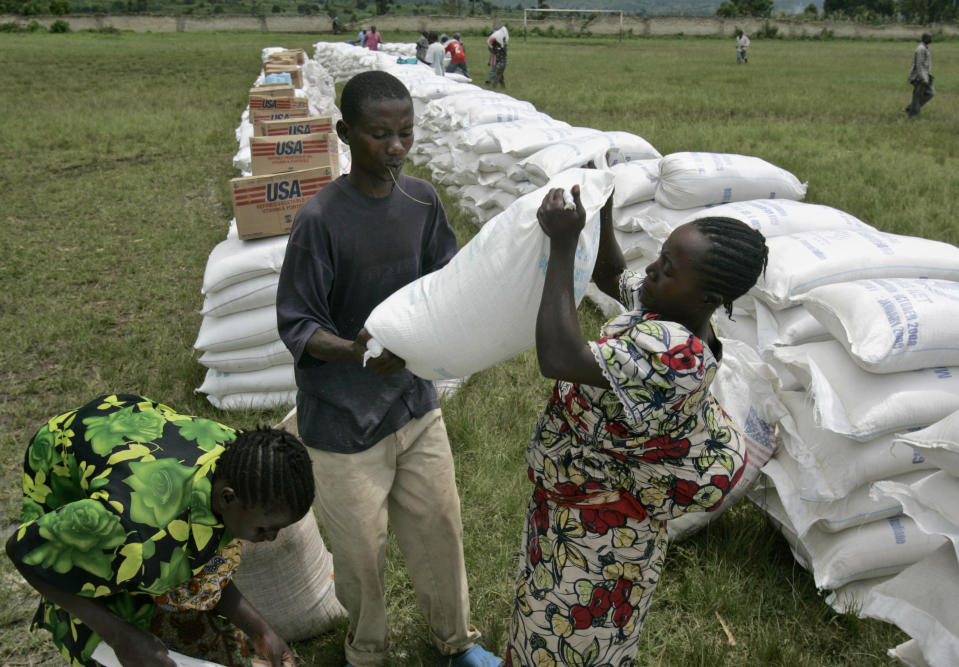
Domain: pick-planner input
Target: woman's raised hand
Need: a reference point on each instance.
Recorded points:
(556, 220)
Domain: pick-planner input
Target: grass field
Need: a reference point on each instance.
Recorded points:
(116, 157)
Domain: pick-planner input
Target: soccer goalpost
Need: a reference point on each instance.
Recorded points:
(526, 13)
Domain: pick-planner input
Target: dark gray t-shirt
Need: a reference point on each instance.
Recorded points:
(347, 253)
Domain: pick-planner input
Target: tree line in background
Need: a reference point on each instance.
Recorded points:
(910, 11)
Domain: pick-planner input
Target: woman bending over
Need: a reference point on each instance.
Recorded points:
(130, 526)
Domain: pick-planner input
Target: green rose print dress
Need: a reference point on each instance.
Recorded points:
(117, 506)
(611, 467)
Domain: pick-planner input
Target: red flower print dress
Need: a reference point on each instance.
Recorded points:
(610, 468)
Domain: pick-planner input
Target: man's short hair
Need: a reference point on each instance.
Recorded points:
(369, 86)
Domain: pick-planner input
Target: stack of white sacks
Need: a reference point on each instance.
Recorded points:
(853, 329)
(248, 365)
(839, 353)
(861, 330)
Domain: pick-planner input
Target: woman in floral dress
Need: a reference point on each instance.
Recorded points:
(130, 525)
(630, 438)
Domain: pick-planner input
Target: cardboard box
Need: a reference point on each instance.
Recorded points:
(276, 155)
(271, 104)
(257, 117)
(281, 59)
(298, 55)
(293, 70)
(295, 126)
(273, 90)
(265, 205)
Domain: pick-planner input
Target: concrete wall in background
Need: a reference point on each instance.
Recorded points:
(604, 24)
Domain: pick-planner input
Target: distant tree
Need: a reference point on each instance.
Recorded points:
(59, 7)
(929, 11)
(361, 4)
(727, 10)
(811, 11)
(734, 8)
(383, 6)
(276, 9)
(30, 8)
(865, 8)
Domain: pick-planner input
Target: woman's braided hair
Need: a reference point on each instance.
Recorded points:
(269, 468)
(736, 258)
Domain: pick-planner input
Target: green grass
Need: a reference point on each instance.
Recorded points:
(116, 157)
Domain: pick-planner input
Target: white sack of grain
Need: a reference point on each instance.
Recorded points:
(232, 261)
(932, 502)
(261, 400)
(803, 261)
(660, 221)
(290, 581)
(789, 326)
(635, 181)
(855, 509)
(891, 325)
(939, 443)
(632, 147)
(595, 150)
(702, 179)
(237, 331)
(742, 328)
(523, 138)
(909, 652)
(831, 466)
(273, 378)
(849, 598)
(863, 405)
(776, 217)
(243, 360)
(876, 549)
(504, 136)
(499, 274)
(637, 244)
(921, 600)
(246, 295)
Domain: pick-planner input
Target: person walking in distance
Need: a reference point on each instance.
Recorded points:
(742, 43)
(920, 76)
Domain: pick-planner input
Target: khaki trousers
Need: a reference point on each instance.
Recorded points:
(407, 479)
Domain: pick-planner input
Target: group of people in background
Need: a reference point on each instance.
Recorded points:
(369, 39)
(443, 53)
(448, 54)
